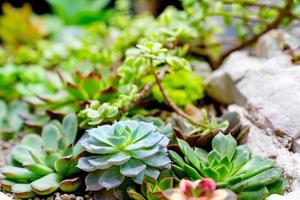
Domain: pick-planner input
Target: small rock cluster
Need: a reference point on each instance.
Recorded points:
(265, 91)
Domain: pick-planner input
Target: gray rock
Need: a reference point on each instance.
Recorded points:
(270, 86)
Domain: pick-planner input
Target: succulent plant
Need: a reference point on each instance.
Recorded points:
(126, 149)
(10, 120)
(96, 112)
(231, 166)
(76, 91)
(204, 189)
(228, 123)
(42, 165)
(187, 91)
(153, 189)
(11, 33)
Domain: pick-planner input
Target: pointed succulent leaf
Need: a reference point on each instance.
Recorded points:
(266, 177)
(70, 185)
(224, 145)
(111, 178)
(255, 165)
(176, 158)
(132, 168)
(23, 191)
(241, 157)
(70, 128)
(166, 183)
(47, 184)
(189, 153)
(192, 173)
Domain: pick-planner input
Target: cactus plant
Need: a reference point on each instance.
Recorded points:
(126, 149)
(231, 166)
(42, 165)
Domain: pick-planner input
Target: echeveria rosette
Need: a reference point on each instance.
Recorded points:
(126, 149)
(43, 164)
(231, 166)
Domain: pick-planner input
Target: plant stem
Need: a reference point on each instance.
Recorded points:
(170, 101)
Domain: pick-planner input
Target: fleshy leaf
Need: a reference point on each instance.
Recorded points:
(47, 184)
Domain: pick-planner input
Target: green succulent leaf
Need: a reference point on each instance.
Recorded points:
(51, 136)
(47, 184)
(70, 185)
(23, 191)
(70, 128)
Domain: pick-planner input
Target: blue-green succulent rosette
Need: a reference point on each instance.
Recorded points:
(126, 149)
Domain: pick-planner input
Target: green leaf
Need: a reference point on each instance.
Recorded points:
(51, 135)
(70, 128)
(134, 195)
(111, 178)
(33, 141)
(166, 183)
(66, 166)
(158, 160)
(189, 153)
(38, 169)
(17, 173)
(47, 184)
(21, 153)
(179, 171)
(241, 157)
(278, 187)
(191, 172)
(266, 177)
(70, 185)
(50, 159)
(211, 173)
(258, 194)
(23, 191)
(176, 158)
(224, 145)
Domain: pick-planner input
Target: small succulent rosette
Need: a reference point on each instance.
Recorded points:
(126, 149)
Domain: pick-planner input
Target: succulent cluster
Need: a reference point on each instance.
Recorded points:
(42, 165)
(130, 90)
(127, 149)
(231, 166)
(152, 188)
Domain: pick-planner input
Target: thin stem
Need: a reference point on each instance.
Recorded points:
(170, 101)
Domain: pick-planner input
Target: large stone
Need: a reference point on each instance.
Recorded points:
(270, 86)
